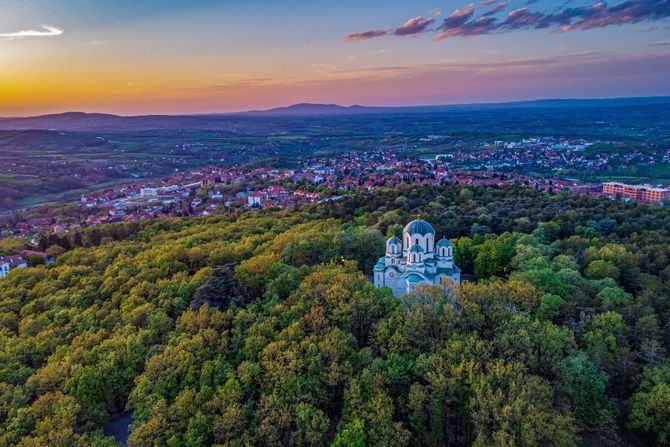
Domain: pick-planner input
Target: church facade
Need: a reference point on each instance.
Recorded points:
(417, 260)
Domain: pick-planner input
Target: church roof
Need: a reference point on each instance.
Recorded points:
(444, 243)
(419, 227)
(416, 249)
(394, 240)
(448, 271)
(414, 278)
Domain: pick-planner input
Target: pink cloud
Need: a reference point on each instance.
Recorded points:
(365, 35)
(469, 29)
(463, 22)
(496, 9)
(414, 26)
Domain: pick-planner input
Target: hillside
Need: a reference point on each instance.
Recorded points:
(262, 329)
(307, 109)
(79, 121)
(90, 151)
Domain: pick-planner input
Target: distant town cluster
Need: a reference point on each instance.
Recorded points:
(533, 162)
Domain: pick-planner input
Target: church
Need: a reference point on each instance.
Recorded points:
(417, 260)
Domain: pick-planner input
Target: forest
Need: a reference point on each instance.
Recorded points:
(262, 328)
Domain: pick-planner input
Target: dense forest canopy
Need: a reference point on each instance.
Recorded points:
(262, 328)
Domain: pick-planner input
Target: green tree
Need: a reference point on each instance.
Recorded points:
(651, 412)
(600, 269)
(551, 307)
(493, 259)
(585, 386)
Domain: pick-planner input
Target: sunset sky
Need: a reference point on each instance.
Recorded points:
(172, 56)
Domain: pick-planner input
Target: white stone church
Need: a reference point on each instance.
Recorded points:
(417, 260)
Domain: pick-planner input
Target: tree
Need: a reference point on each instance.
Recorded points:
(364, 245)
(605, 341)
(464, 254)
(651, 412)
(528, 417)
(351, 435)
(551, 307)
(196, 433)
(585, 386)
(493, 258)
(55, 250)
(614, 296)
(546, 280)
(651, 404)
(311, 426)
(600, 269)
(35, 260)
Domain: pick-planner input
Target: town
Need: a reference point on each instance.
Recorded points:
(218, 189)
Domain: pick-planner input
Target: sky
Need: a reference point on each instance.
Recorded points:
(200, 56)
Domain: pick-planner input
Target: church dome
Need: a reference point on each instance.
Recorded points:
(393, 241)
(444, 243)
(419, 227)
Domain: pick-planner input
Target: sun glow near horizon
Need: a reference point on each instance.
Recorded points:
(169, 58)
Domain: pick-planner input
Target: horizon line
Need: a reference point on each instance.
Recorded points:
(344, 106)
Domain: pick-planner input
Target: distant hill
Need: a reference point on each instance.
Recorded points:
(79, 121)
(334, 109)
(575, 102)
(59, 121)
(315, 109)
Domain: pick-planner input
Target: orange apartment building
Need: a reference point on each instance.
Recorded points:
(641, 193)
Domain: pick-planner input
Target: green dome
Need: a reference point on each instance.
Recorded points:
(419, 227)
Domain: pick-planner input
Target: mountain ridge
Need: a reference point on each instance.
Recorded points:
(78, 121)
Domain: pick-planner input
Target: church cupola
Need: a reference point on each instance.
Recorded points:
(415, 255)
(393, 247)
(444, 248)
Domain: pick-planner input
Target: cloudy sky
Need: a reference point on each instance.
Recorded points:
(180, 56)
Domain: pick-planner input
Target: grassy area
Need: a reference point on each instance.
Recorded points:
(50, 199)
